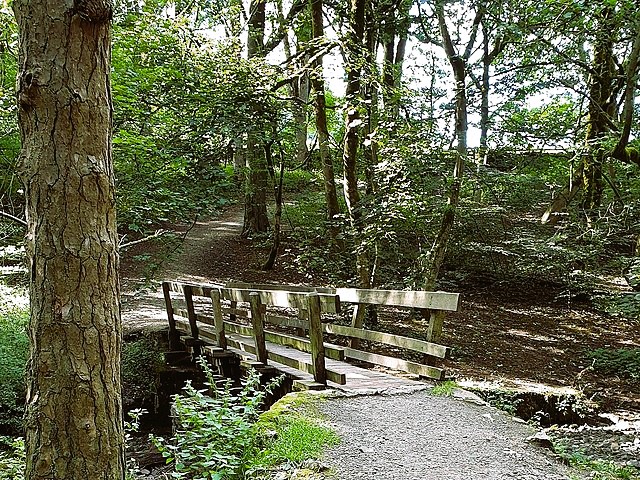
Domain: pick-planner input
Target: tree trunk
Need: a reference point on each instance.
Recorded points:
(436, 255)
(255, 211)
(317, 82)
(353, 123)
(602, 105)
(74, 409)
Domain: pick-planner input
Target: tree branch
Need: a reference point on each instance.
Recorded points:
(157, 234)
(13, 219)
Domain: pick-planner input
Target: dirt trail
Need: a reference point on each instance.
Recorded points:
(143, 306)
(421, 436)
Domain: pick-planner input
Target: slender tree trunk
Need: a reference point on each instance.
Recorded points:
(394, 53)
(484, 92)
(436, 255)
(353, 123)
(317, 82)
(74, 409)
(255, 213)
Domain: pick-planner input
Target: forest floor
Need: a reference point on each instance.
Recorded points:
(528, 337)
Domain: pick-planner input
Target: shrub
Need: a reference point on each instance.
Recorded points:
(215, 438)
(12, 458)
(141, 360)
(624, 362)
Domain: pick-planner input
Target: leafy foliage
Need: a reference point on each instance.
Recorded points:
(14, 351)
(141, 360)
(215, 438)
(12, 458)
(624, 362)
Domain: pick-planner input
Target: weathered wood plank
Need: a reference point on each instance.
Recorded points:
(257, 322)
(239, 312)
(217, 318)
(277, 298)
(174, 337)
(396, 363)
(334, 352)
(286, 288)
(191, 313)
(287, 321)
(315, 335)
(401, 298)
(390, 339)
(240, 344)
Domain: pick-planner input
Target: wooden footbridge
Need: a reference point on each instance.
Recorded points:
(296, 331)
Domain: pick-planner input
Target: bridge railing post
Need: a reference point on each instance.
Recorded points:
(218, 321)
(193, 319)
(257, 322)
(174, 336)
(316, 337)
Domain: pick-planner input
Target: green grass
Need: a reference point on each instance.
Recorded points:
(596, 469)
(444, 389)
(302, 439)
(293, 431)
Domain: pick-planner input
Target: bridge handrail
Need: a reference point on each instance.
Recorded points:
(311, 302)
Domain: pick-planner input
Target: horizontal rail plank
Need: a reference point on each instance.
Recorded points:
(287, 322)
(401, 298)
(303, 366)
(278, 298)
(395, 363)
(332, 351)
(414, 344)
(286, 288)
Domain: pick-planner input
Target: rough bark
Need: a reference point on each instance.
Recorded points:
(601, 110)
(394, 38)
(317, 82)
(74, 409)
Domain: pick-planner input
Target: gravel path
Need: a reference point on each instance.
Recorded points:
(419, 436)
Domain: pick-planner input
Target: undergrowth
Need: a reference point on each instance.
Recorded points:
(12, 458)
(14, 351)
(624, 362)
(215, 438)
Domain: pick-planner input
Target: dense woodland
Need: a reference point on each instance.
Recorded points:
(376, 143)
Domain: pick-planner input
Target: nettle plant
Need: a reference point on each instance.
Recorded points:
(215, 438)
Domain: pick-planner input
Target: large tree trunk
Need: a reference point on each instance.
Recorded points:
(74, 409)
(255, 213)
(317, 82)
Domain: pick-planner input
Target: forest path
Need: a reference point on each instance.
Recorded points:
(495, 333)
(208, 240)
(421, 436)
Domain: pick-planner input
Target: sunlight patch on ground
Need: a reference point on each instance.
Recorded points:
(518, 384)
(539, 338)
